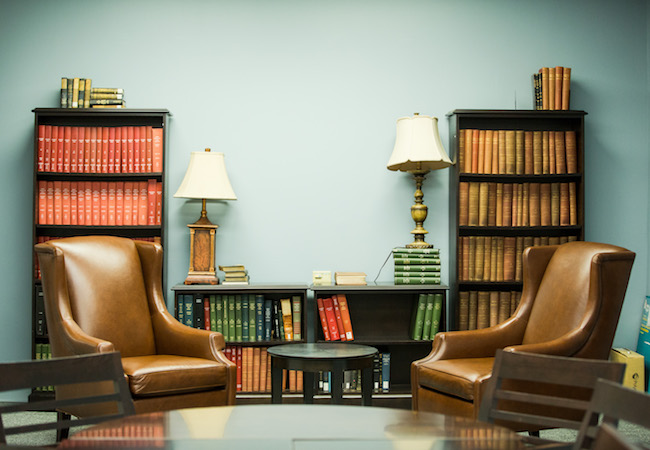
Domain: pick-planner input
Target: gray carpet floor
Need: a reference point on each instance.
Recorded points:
(633, 432)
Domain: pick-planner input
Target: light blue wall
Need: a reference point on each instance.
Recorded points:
(302, 97)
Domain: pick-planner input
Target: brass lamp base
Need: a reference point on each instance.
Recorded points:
(202, 235)
(419, 213)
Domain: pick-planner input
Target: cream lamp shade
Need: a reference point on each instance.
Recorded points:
(418, 146)
(206, 178)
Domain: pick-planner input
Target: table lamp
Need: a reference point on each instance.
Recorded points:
(206, 179)
(418, 150)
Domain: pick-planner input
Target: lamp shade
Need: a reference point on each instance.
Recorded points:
(418, 146)
(206, 178)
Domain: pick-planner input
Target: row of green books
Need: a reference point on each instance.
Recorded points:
(79, 93)
(416, 265)
(426, 317)
(242, 317)
(43, 351)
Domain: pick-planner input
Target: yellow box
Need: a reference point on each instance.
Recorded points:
(322, 277)
(634, 367)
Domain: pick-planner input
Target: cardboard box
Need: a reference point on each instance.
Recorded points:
(322, 277)
(634, 367)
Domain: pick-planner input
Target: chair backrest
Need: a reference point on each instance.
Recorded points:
(609, 438)
(97, 283)
(613, 402)
(104, 368)
(532, 391)
(582, 290)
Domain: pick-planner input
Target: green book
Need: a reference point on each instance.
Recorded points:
(213, 313)
(218, 306)
(437, 310)
(419, 268)
(238, 319)
(418, 317)
(188, 303)
(180, 308)
(416, 280)
(252, 320)
(428, 318)
(245, 323)
(414, 260)
(224, 308)
(416, 251)
(232, 318)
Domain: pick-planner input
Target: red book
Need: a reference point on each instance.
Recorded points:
(136, 149)
(42, 202)
(81, 138)
(151, 202)
(74, 195)
(323, 319)
(41, 148)
(58, 203)
(117, 157)
(103, 159)
(47, 150)
(143, 204)
(93, 150)
(103, 203)
(86, 150)
(124, 150)
(149, 144)
(65, 202)
(238, 361)
(111, 203)
(331, 319)
(119, 203)
(157, 150)
(158, 203)
(54, 148)
(130, 149)
(50, 203)
(81, 203)
(111, 150)
(339, 320)
(97, 203)
(67, 148)
(345, 316)
(206, 313)
(88, 203)
(74, 149)
(143, 149)
(128, 203)
(59, 149)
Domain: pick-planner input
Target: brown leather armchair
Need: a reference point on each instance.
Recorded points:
(570, 304)
(104, 294)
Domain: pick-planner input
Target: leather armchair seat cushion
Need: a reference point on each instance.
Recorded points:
(457, 377)
(156, 375)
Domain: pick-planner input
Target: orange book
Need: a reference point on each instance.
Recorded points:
(339, 319)
(112, 221)
(545, 204)
(565, 214)
(157, 150)
(60, 149)
(54, 148)
(103, 203)
(88, 202)
(110, 161)
(345, 316)
(124, 150)
(534, 204)
(103, 158)
(323, 318)
(65, 203)
(42, 202)
(529, 166)
(143, 149)
(149, 146)
(151, 202)
(256, 369)
(499, 207)
(487, 164)
(158, 203)
(128, 203)
(545, 156)
(573, 204)
(519, 152)
(551, 89)
(510, 164)
(85, 150)
(136, 149)
(143, 204)
(67, 148)
(94, 153)
(545, 104)
(74, 149)
(130, 149)
(463, 203)
(507, 205)
(468, 151)
(47, 148)
(495, 152)
(475, 151)
(40, 160)
(119, 203)
(73, 203)
(566, 88)
(559, 81)
(96, 203)
(331, 319)
(560, 153)
(465, 257)
(509, 246)
(492, 204)
(263, 360)
(551, 152)
(482, 204)
(571, 152)
(473, 204)
(461, 151)
(480, 167)
(117, 154)
(293, 386)
(58, 203)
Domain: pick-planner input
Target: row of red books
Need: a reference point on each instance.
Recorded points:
(254, 370)
(99, 203)
(334, 316)
(76, 149)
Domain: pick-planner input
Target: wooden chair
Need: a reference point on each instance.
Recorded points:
(531, 392)
(613, 402)
(113, 401)
(609, 438)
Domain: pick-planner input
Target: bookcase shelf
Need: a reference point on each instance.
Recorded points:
(518, 181)
(96, 150)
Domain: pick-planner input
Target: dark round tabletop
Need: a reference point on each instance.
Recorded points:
(322, 351)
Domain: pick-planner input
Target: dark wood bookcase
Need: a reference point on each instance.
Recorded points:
(65, 174)
(381, 316)
(471, 287)
(268, 291)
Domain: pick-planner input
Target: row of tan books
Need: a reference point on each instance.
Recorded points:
(426, 317)
(517, 204)
(552, 88)
(517, 152)
(334, 314)
(123, 149)
(42, 329)
(482, 309)
(79, 93)
(235, 274)
(99, 203)
(498, 258)
(416, 265)
(243, 317)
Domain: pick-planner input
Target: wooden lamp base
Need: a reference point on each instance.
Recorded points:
(202, 267)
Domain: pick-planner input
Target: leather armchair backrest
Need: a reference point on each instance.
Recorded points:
(581, 294)
(105, 293)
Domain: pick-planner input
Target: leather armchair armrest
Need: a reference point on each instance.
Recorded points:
(79, 343)
(567, 345)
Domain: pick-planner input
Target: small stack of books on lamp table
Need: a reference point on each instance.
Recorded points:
(416, 265)
(236, 274)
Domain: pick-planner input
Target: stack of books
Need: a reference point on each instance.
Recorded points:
(350, 278)
(79, 93)
(236, 274)
(426, 317)
(416, 265)
(552, 88)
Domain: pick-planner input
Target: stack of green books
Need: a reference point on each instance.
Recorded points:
(425, 321)
(416, 265)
